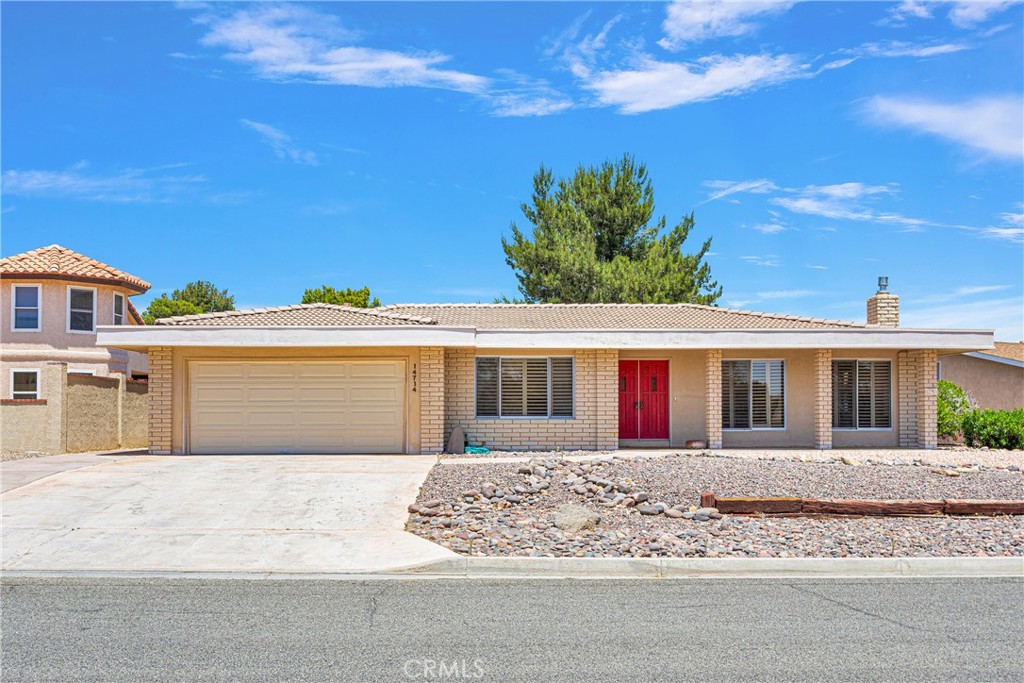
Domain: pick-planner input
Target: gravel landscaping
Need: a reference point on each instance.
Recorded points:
(644, 507)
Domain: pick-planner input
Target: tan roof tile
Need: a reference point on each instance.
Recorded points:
(57, 262)
(1011, 350)
(608, 317)
(299, 315)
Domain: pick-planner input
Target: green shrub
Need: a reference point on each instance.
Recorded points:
(995, 428)
(954, 403)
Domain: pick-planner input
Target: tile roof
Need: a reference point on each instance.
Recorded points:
(299, 315)
(607, 317)
(1011, 350)
(57, 262)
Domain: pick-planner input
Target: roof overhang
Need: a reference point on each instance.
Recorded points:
(84, 279)
(1002, 360)
(142, 337)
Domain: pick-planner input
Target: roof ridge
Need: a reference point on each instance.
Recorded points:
(292, 307)
(761, 314)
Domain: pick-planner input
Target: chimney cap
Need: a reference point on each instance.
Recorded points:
(883, 283)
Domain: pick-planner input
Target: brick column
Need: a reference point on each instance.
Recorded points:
(432, 399)
(713, 398)
(927, 400)
(161, 384)
(907, 373)
(823, 399)
(606, 399)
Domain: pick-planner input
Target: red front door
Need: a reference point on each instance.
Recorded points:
(643, 399)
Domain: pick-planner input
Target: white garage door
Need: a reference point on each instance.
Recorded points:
(297, 407)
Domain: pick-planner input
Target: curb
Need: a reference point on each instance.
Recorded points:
(536, 568)
(744, 568)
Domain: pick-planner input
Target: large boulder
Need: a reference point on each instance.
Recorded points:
(575, 518)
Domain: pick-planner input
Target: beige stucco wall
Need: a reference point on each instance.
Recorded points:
(92, 420)
(78, 413)
(595, 425)
(990, 384)
(179, 392)
(31, 349)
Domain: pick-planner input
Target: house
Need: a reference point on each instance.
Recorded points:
(52, 300)
(993, 378)
(318, 378)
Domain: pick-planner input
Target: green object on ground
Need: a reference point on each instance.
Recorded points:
(477, 450)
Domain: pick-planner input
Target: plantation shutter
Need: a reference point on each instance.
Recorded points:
(873, 394)
(767, 397)
(487, 387)
(513, 387)
(736, 394)
(561, 387)
(536, 387)
(524, 387)
(843, 393)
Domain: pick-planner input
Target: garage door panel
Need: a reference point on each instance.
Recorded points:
(297, 407)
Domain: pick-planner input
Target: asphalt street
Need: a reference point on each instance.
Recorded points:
(542, 630)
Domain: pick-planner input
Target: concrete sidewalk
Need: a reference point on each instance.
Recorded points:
(248, 514)
(17, 473)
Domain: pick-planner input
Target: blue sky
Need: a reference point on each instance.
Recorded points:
(275, 147)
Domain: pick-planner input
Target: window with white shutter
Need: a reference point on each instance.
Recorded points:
(861, 394)
(753, 394)
(536, 387)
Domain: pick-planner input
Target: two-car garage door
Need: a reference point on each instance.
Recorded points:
(297, 407)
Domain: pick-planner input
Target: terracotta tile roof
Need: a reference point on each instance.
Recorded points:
(1011, 350)
(607, 317)
(299, 315)
(57, 262)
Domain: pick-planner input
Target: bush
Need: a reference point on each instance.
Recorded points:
(995, 428)
(954, 404)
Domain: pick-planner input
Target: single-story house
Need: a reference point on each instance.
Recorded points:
(398, 379)
(993, 378)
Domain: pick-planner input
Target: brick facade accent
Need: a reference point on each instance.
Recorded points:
(432, 399)
(161, 366)
(927, 400)
(884, 310)
(823, 399)
(595, 425)
(917, 399)
(713, 408)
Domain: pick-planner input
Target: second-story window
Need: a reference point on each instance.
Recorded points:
(81, 310)
(119, 309)
(26, 308)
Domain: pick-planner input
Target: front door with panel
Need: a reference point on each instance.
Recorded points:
(643, 399)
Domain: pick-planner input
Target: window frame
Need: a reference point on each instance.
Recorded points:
(39, 384)
(750, 395)
(856, 397)
(118, 296)
(499, 416)
(95, 297)
(38, 308)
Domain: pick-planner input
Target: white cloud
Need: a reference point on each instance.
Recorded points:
(1015, 220)
(1005, 316)
(973, 12)
(770, 228)
(979, 289)
(895, 48)
(768, 260)
(691, 22)
(281, 143)
(817, 267)
(123, 186)
(521, 95)
(1004, 234)
(786, 294)
(724, 188)
(653, 84)
(295, 43)
(994, 125)
(909, 9)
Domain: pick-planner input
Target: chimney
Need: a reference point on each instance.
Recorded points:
(884, 307)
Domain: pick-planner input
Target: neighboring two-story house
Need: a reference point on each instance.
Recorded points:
(51, 301)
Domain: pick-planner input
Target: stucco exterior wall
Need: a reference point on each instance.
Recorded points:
(53, 342)
(92, 419)
(595, 425)
(991, 384)
(178, 391)
(77, 413)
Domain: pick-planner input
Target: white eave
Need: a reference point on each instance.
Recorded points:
(141, 337)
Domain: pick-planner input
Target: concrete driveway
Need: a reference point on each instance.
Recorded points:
(249, 514)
